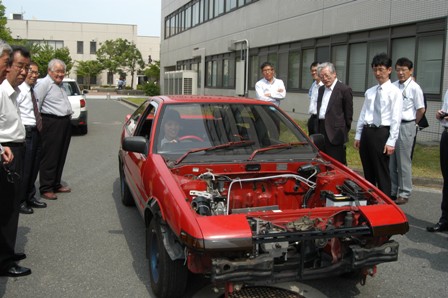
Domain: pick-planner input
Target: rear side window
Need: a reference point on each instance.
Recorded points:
(71, 88)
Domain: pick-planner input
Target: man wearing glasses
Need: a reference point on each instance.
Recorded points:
(400, 164)
(270, 88)
(56, 112)
(379, 124)
(32, 121)
(12, 135)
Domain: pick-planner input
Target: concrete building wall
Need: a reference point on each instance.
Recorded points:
(266, 23)
(72, 32)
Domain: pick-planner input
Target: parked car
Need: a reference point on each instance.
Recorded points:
(233, 189)
(78, 102)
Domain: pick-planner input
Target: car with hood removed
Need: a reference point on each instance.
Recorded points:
(233, 189)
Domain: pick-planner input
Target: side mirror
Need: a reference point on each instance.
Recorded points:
(318, 140)
(85, 91)
(135, 144)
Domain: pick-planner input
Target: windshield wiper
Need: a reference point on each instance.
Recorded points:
(278, 146)
(217, 147)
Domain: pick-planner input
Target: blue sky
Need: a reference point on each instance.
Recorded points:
(143, 13)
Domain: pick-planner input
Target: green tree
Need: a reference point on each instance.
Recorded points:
(88, 69)
(120, 55)
(109, 55)
(5, 33)
(153, 72)
(42, 54)
(133, 60)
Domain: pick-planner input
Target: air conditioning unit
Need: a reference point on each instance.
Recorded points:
(180, 82)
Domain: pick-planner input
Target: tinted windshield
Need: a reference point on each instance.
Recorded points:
(242, 129)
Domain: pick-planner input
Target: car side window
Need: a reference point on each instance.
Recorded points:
(145, 124)
(132, 122)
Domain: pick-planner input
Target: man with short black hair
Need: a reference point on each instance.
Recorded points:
(270, 88)
(379, 124)
(312, 94)
(31, 119)
(400, 164)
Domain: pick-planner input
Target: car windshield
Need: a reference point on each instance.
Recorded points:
(213, 132)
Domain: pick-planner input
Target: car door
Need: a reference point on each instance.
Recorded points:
(137, 162)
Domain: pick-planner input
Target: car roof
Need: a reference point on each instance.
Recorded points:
(172, 99)
(68, 80)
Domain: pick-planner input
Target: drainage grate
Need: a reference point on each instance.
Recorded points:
(264, 292)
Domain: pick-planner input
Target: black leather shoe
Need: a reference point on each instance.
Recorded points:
(15, 271)
(19, 256)
(36, 204)
(24, 209)
(438, 227)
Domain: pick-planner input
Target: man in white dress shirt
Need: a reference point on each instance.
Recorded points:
(400, 164)
(28, 113)
(12, 135)
(312, 94)
(379, 124)
(270, 88)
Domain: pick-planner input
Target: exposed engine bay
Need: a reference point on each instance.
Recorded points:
(285, 233)
(211, 193)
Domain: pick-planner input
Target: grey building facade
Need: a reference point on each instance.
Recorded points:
(225, 41)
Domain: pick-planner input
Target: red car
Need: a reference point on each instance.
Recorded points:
(233, 189)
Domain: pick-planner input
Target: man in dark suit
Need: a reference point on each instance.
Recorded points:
(335, 112)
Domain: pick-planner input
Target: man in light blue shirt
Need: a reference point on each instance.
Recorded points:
(56, 134)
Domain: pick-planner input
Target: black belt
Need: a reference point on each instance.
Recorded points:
(407, 121)
(55, 116)
(13, 144)
(374, 126)
(30, 128)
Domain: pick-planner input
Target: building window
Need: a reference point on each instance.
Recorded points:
(307, 60)
(358, 66)
(375, 48)
(93, 47)
(293, 70)
(339, 58)
(402, 47)
(80, 47)
(254, 70)
(212, 73)
(80, 79)
(230, 5)
(228, 73)
(219, 7)
(110, 78)
(93, 80)
(430, 63)
(196, 14)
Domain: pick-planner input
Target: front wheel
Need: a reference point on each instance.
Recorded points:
(125, 193)
(168, 278)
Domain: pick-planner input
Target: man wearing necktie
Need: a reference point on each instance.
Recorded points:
(379, 124)
(32, 121)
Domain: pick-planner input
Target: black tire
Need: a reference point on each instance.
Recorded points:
(168, 278)
(125, 193)
(82, 129)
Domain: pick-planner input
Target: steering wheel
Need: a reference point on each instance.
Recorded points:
(191, 137)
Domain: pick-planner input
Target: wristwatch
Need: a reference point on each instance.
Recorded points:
(1, 150)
